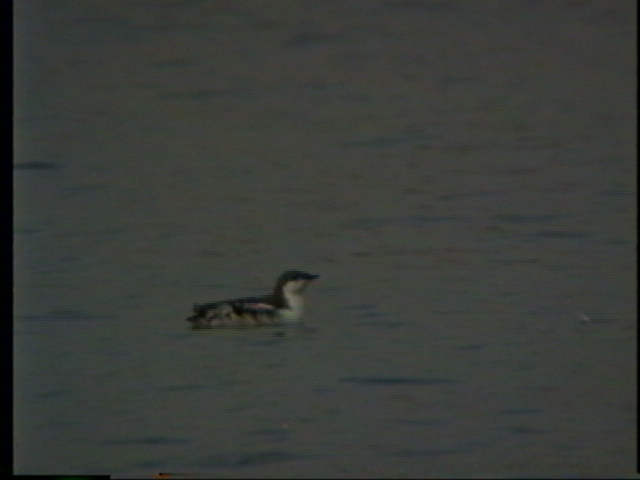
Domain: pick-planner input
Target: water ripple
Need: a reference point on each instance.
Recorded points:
(397, 380)
(66, 315)
(145, 441)
(244, 459)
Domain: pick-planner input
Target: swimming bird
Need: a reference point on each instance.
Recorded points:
(284, 305)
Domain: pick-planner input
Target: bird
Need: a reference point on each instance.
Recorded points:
(284, 305)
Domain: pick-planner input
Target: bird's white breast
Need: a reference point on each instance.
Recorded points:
(295, 308)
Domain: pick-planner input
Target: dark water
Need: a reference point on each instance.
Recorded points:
(461, 174)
